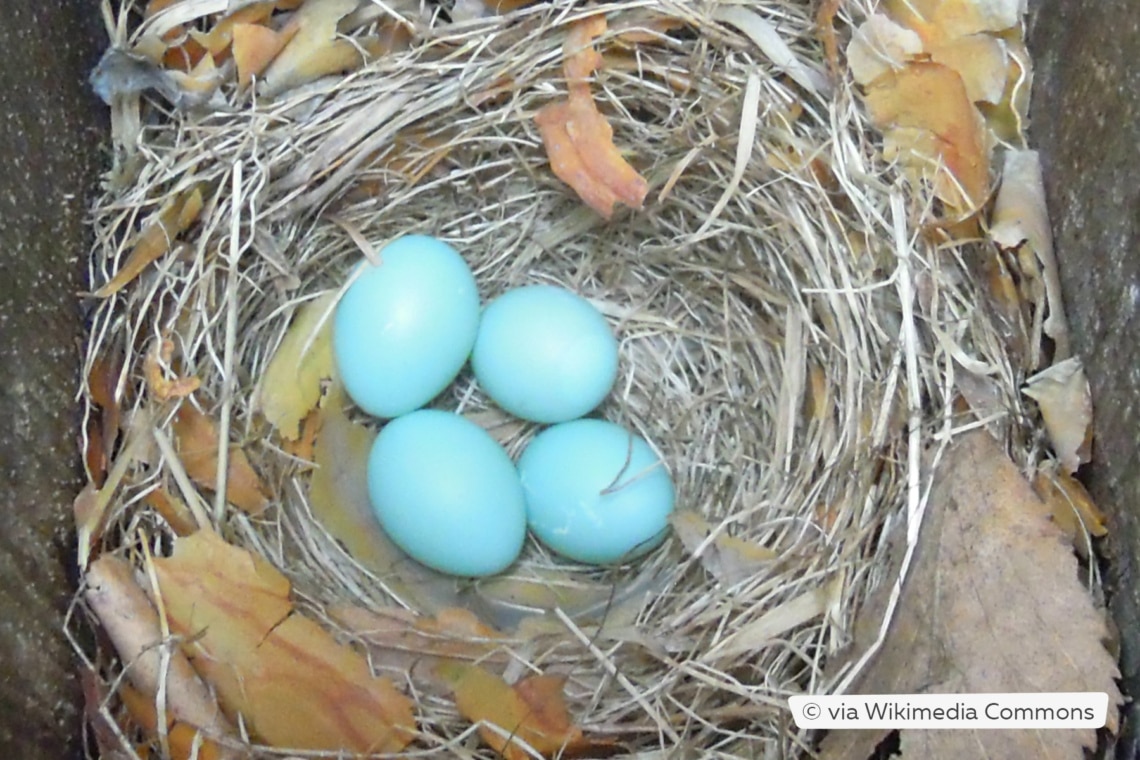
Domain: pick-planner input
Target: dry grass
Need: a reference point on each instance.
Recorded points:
(786, 334)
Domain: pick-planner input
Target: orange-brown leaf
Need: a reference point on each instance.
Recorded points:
(156, 238)
(1074, 511)
(219, 39)
(581, 59)
(593, 138)
(177, 515)
(197, 442)
(254, 47)
(161, 386)
(930, 118)
(533, 712)
(578, 139)
(288, 678)
(567, 163)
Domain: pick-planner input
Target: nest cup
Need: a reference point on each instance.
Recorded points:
(757, 299)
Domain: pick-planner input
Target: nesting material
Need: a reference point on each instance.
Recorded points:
(785, 333)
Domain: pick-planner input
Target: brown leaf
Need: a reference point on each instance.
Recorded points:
(177, 515)
(1073, 509)
(338, 496)
(180, 737)
(224, 32)
(314, 49)
(579, 140)
(729, 559)
(197, 440)
(254, 48)
(928, 120)
(157, 238)
(288, 678)
(412, 646)
(1021, 221)
(532, 713)
(291, 385)
(992, 603)
(1063, 396)
(157, 362)
(132, 624)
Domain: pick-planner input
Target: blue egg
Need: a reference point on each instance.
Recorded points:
(545, 354)
(405, 328)
(595, 492)
(447, 493)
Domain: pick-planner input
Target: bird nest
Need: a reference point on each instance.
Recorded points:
(764, 299)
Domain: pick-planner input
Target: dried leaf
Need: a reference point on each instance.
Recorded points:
(567, 163)
(291, 682)
(197, 442)
(878, 46)
(577, 137)
(593, 139)
(338, 496)
(992, 603)
(931, 121)
(1073, 509)
(1063, 396)
(532, 713)
(314, 49)
(132, 624)
(177, 515)
(291, 385)
(729, 559)
(980, 60)
(950, 19)
(1021, 217)
(157, 238)
(224, 32)
(412, 646)
(157, 362)
(254, 48)
(180, 737)
(102, 382)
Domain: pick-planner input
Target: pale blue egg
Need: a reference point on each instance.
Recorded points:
(595, 492)
(545, 354)
(405, 328)
(447, 493)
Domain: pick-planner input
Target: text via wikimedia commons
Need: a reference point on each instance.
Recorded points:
(1040, 711)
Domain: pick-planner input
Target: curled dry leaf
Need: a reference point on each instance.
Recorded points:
(1021, 219)
(981, 61)
(196, 438)
(532, 713)
(291, 385)
(778, 621)
(1063, 396)
(930, 122)
(1074, 511)
(132, 624)
(157, 238)
(578, 138)
(155, 367)
(729, 559)
(292, 683)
